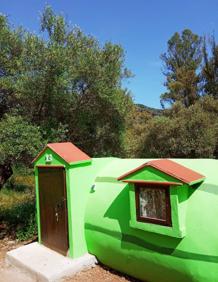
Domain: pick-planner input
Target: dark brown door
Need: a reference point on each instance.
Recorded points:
(53, 208)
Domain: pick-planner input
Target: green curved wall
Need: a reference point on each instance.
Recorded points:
(152, 256)
(100, 221)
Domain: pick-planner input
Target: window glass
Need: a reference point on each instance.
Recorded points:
(152, 203)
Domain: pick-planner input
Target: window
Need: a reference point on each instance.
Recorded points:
(153, 204)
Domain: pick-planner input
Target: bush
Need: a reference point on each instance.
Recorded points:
(29, 230)
(182, 133)
(17, 208)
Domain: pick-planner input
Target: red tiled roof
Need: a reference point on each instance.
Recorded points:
(171, 168)
(67, 151)
(164, 183)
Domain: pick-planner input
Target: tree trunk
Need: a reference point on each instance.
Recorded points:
(5, 173)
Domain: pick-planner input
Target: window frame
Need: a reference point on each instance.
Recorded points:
(168, 221)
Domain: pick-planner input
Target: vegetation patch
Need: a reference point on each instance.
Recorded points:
(17, 209)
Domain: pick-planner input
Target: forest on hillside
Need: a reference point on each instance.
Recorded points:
(63, 85)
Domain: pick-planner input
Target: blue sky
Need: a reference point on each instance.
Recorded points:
(142, 27)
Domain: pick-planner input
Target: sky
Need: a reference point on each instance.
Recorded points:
(142, 27)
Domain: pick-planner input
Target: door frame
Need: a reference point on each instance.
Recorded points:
(38, 201)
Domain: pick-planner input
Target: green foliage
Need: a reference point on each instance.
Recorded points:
(19, 143)
(17, 209)
(20, 217)
(67, 84)
(64, 85)
(21, 180)
(210, 69)
(11, 46)
(189, 127)
(182, 132)
(19, 140)
(181, 63)
(136, 126)
(29, 229)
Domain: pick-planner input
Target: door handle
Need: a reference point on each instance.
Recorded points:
(56, 215)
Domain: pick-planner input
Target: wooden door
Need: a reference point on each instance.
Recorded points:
(53, 208)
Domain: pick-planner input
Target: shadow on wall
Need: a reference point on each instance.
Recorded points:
(135, 239)
(209, 188)
(120, 211)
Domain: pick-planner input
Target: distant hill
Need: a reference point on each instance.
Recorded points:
(153, 111)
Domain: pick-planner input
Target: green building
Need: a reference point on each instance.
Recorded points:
(156, 220)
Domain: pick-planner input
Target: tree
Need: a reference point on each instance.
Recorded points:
(19, 143)
(11, 46)
(68, 82)
(181, 63)
(210, 69)
(182, 133)
(209, 104)
(136, 127)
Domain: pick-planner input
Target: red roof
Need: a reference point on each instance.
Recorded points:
(171, 168)
(67, 151)
(164, 183)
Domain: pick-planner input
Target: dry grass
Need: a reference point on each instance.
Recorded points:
(17, 208)
(10, 198)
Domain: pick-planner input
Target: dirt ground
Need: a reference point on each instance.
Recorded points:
(97, 274)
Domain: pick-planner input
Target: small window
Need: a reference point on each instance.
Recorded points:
(153, 204)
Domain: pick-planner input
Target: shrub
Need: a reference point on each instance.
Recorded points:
(17, 208)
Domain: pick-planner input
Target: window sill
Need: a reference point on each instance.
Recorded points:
(159, 229)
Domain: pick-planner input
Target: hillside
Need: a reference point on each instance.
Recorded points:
(153, 111)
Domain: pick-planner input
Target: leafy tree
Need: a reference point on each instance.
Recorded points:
(136, 128)
(19, 143)
(209, 104)
(181, 63)
(210, 69)
(68, 82)
(182, 132)
(11, 46)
